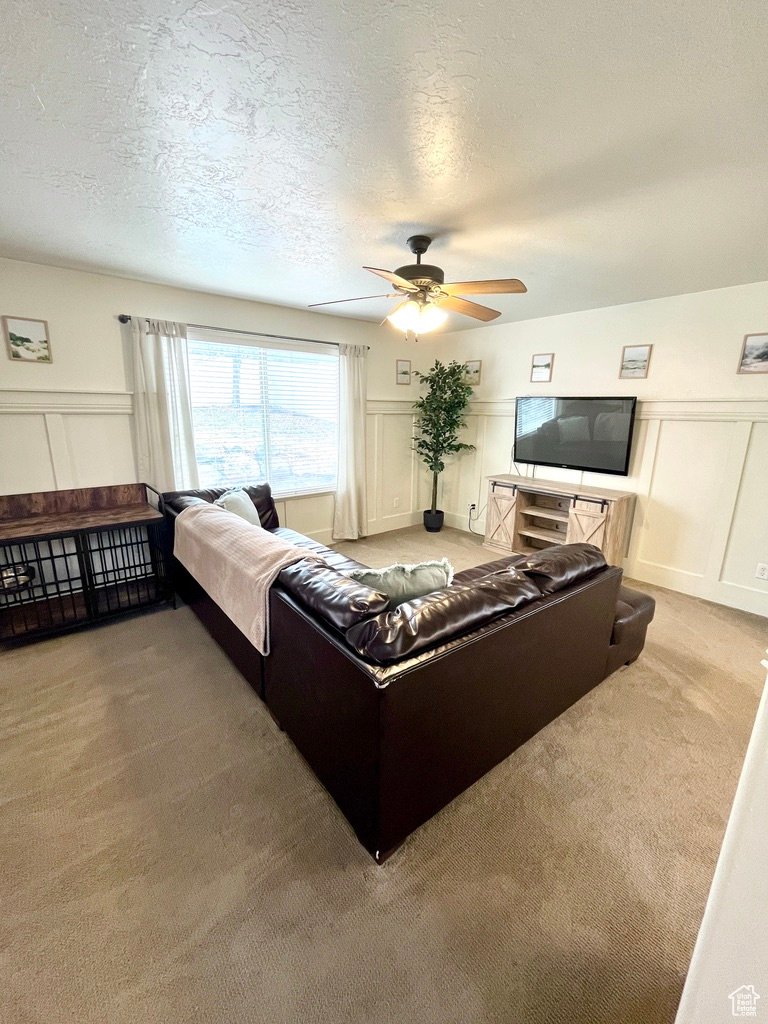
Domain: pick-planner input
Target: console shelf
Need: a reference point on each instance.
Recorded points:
(539, 533)
(545, 513)
(526, 514)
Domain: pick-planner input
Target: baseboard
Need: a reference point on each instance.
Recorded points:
(455, 520)
(732, 595)
(398, 522)
(460, 521)
(375, 526)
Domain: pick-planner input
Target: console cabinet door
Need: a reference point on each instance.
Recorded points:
(586, 524)
(500, 518)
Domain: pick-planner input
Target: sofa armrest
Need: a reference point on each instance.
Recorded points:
(632, 607)
(634, 613)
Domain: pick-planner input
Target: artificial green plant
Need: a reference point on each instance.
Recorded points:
(440, 417)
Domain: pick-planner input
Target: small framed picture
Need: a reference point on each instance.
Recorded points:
(541, 367)
(403, 371)
(27, 339)
(473, 370)
(754, 354)
(635, 360)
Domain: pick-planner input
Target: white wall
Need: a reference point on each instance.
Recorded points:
(700, 456)
(69, 424)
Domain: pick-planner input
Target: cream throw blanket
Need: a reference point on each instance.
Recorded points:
(236, 563)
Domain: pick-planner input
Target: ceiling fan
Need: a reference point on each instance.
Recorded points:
(426, 298)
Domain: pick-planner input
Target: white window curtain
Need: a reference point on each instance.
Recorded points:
(165, 449)
(350, 519)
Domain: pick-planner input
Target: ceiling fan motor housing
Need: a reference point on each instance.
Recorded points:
(421, 274)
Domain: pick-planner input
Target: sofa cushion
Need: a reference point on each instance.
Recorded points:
(260, 495)
(467, 575)
(402, 582)
(240, 504)
(428, 621)
(336, 598)
(562, 565)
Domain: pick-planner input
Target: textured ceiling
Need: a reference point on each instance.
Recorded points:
(602, 152)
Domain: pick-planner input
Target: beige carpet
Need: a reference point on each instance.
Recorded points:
(166, 856)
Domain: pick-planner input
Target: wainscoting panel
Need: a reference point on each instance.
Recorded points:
(25, 463)
(59, 450)
(691, 458)
(495, 441)
(312, 516)
(111, 460)
(392, 467)
(458, 488)
(394, 476)
(60, 439)
(700, 522)
(748, 534)
(372, 460)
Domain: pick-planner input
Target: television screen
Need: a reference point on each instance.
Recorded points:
(593, 434)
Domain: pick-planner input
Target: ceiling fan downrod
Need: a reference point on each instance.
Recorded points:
(418, 244)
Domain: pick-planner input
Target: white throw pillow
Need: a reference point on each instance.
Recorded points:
(237, 501)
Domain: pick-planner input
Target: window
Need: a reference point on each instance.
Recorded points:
(264, 412)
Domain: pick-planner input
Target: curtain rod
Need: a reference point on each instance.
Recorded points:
(125, 318)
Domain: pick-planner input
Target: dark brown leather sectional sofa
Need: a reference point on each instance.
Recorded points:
(397, 712)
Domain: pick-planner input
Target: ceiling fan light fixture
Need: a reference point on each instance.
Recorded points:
(418, 317)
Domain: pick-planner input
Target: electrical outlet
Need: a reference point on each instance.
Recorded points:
(762, 571)
(472, 506)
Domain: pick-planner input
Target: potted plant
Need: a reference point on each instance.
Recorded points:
(439, 418)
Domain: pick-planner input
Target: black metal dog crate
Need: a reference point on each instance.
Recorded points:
(76, 565)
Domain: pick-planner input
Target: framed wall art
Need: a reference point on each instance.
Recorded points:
(635, 360)
(754, 354)
(403, 371)
(27, 339)
(541, 367)
(473, 370)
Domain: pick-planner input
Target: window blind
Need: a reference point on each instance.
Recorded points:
(264, 412)
(532, 414)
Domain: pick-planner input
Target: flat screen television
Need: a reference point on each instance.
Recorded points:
(593, 434)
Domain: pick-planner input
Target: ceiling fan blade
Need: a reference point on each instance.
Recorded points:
(360, 298)
(468, 308)
(508, 286)
(398, 282)
(389, 314)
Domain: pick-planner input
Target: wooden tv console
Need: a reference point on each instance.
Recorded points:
(525, 514)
